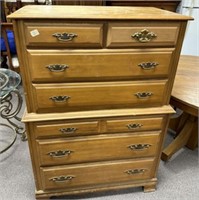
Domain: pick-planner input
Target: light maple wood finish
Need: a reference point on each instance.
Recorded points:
(186, 85)
(120, 34)
(102, 109)
(106, 125)
(123, 125)
(97, 65)
(87, 175)
(106, 95)
(82, 115)
(98, 148)
(88, 35)
(63, 129)
(185, 95)
(96, 13)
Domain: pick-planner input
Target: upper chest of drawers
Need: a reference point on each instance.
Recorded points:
(127, 56)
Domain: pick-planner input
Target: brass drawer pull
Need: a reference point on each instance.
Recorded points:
(143, 95)
(135, 171)
(65, 37)
(144, 36)
(148, 65)
(139, 146)
(134, 126)
(59, 99)
(68, 130)
(60, 153)
(57, 67)
(62, 178)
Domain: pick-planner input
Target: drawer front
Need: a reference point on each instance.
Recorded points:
(71, 129)
(63, 35)
(142, 34)
(92, 96)
(64, 66)
(129, 125)
(66, 129)
(99, 148)
(91, 175)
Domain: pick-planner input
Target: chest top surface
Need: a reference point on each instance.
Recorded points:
(92, 12)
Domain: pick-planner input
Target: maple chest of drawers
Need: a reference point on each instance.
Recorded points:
(97, 85)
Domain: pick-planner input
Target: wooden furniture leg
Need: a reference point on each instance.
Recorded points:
(193, 139)
(150, 188)
(180, 141)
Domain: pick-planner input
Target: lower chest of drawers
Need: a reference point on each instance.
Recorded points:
(96, 152)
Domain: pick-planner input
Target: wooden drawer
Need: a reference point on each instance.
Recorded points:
(66, 66)
(74, 176)
(98, 148)
(81, 128)
(66, 129)
(143, 34)
(137, 124)
(92, 96)
(63, 34)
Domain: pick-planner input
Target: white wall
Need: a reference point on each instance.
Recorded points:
(191, 40)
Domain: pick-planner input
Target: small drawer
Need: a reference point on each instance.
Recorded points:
(92, 96)
(56, 66)
(90, 175)
(63, 35)
(143, 34)
(98, 148)
(134, 124)
(65, 129)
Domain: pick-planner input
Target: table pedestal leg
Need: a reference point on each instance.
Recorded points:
(193, 140)
(181, 139)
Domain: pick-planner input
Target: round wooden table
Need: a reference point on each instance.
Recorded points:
(185, 96)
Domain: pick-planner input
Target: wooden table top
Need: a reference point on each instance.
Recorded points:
(186, 85)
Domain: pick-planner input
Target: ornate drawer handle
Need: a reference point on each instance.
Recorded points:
(139, 146)
(143, 95)
(144, 36)
(65, 36)
(135, 171)
(148, 65)
(60, 153)
(59, 99)
(57, 68)
(62, 178)
(134, 126)
(68, 130)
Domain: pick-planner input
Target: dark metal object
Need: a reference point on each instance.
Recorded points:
(135, 171)
(143, 95)
(144, 36)
(148, 65)
(65, 37)
(59, 99)
(68, 130)
(60, 153)
(134, 126)
(139, 146)
(62, 178)
(57, 67)
(12, 141)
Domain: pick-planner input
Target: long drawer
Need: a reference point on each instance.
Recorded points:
(63, 34)
(74, 176)
(142, 34)
(105, 95)
(82, 128)
(66, 66)
(98, 148)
